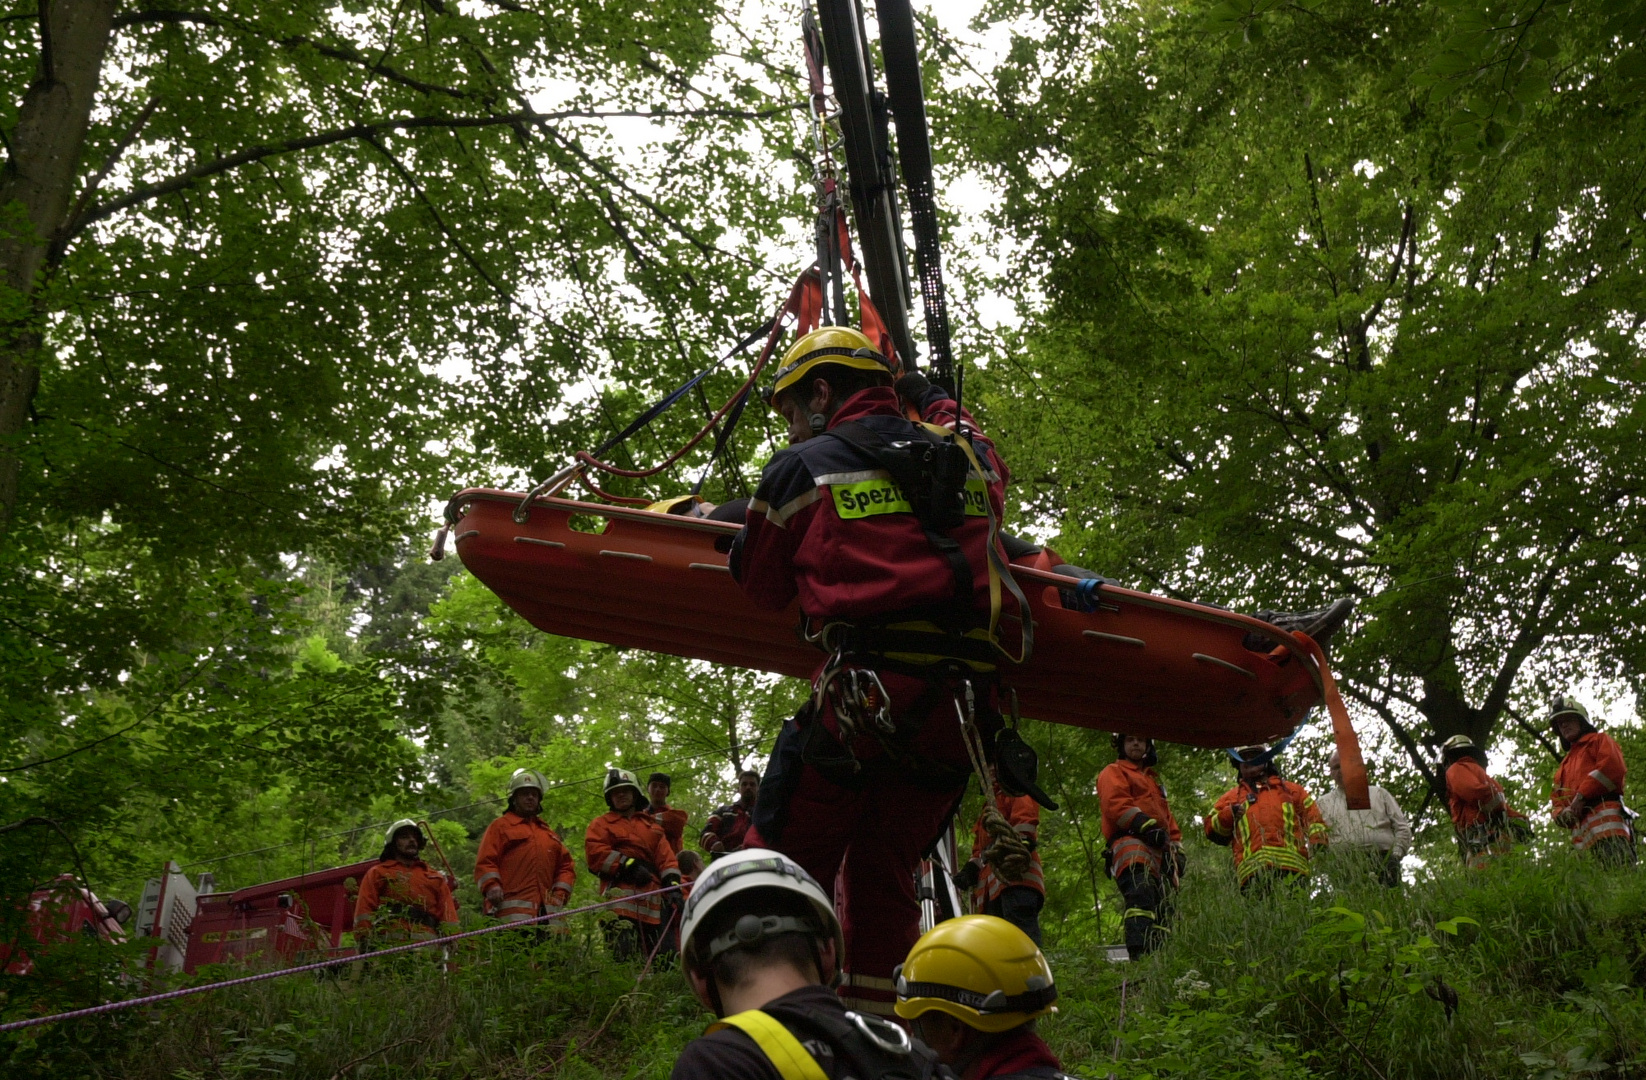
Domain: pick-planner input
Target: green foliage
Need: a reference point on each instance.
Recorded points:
(1290, 335)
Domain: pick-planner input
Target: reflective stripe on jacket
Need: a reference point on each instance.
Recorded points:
(610, 839)
(828, 524)
(1024, 815)
(1280, 825)
(1593, 768)
(399, 902)
(1131, 795)
(1472, 796)
(729, 824)
(527, 860)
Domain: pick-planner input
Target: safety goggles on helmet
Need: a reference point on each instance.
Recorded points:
(839, 345)
(1567, 705)
(621, 778)
(979, 969)
(741, 871)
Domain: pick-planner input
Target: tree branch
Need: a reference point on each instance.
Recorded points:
(251, 154)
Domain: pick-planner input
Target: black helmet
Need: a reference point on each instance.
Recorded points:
(1150, 760)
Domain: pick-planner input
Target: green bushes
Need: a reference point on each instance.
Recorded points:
(1532, 969)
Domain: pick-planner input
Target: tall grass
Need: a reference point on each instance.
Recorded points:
(1532, 970)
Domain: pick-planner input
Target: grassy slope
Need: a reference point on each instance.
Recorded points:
(1548, 982)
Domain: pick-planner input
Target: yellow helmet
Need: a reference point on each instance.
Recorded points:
(828, 345)
(980, 970)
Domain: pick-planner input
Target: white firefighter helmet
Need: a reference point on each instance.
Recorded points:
(741, 871)
(405, 823)
(623, 778)
(526, 778)
(1567, 705)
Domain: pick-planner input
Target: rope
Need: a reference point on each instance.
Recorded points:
(1007, 854)
(322, 965)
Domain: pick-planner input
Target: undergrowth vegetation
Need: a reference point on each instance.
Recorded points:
(1535, 970)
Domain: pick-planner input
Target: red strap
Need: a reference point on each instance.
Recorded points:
(874, 327)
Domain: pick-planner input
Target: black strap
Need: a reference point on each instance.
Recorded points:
(907, 476)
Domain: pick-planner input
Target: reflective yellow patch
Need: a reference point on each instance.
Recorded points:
(881, 496)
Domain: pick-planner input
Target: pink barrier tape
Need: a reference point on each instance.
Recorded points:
(322, 965)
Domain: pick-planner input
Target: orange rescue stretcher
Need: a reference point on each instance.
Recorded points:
(1142, 664)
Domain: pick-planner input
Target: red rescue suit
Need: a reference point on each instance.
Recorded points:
(399, 903)
(527, 860)
(611, 838)
(827, 525)
(1023, 813)
(1131, 796)
(1593, 770)
(673, 823)
(727, 829)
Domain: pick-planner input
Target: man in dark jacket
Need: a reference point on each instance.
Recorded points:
(760, 945)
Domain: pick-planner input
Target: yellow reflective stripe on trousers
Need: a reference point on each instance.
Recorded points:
(778, 1044)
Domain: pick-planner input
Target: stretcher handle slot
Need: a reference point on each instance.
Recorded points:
(1224, 663)
(625, 555)
(539, 543)
(1118, 639)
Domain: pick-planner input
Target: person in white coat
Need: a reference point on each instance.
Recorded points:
(1379, 837)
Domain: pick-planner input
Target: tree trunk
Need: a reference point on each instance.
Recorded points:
(37, 186)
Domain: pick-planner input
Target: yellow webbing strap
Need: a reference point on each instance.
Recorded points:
(998, 574)
(776, 1041)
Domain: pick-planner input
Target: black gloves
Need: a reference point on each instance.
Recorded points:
(1154, 834)
(634, 872)
(965, 879)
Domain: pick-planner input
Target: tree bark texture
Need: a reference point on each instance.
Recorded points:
(36, 189)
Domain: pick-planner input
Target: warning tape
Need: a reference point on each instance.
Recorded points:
(322, 965)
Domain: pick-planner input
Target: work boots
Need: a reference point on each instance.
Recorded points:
(1320, 624)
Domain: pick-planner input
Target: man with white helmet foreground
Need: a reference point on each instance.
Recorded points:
(761, 947)
(402, 898)
(974, 987)
(523, 869)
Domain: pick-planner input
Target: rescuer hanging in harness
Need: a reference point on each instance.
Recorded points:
(974, 987)
(672, 821)
(403, 898)
(1144, 851)
(760, 945)
(1016, 891)
(1485, 824)
(626, 849)
(886, 529)
(523, 868)
(1588, 790)
(1271, 825)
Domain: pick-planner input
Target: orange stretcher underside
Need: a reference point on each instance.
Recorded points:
(1142, 664)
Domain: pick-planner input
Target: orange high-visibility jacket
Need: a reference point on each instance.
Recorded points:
(527, 860)
(1278, 829)
(398, 902)
(1024, 814)
(674, 825)
(1131, 795)
(1594, 769)
(1473, 797)
(610, 839)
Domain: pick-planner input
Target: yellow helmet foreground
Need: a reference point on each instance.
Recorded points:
(980, 970)
(828, 345)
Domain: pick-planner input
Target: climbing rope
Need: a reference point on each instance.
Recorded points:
(1008, 853)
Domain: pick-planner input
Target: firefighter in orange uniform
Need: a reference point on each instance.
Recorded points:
(1144, 849)
(673, 821)
(1018, 902)
(1485, 823)
(402, 898)
(523, 869)
(626, 849)
(1588, 792)
(1270, 824)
